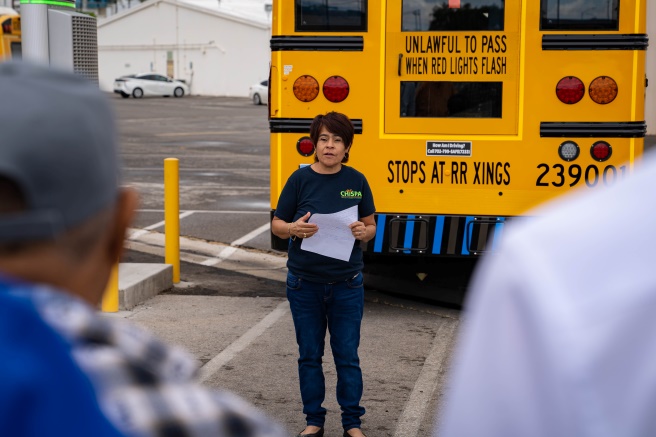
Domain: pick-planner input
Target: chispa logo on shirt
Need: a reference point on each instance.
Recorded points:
(351, 194)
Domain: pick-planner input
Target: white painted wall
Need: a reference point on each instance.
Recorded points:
(216, 54)
(650, 99)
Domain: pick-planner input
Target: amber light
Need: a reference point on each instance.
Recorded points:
(306, 88)
(570, 90)
(305, 146)
(336, 89)
(601, 151)
(603, 90)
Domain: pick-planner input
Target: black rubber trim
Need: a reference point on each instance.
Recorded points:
(318, 43)
(301, 125)
(595, 42)
(629, 129)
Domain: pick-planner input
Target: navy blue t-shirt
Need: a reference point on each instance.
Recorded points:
(307, 190)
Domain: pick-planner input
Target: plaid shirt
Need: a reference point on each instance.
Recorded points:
(144, 386)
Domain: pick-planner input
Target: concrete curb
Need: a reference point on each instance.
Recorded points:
(138, 282)
(251, 262)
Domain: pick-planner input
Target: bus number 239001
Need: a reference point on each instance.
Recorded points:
(558, 175)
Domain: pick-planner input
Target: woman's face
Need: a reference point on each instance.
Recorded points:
(330, 149)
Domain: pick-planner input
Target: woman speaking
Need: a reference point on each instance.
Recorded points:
(324, 288)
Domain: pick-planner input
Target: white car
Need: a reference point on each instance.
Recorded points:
(149, 84)
(259, 93)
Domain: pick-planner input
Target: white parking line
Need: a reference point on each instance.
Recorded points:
(228, 251)
(420, 398)
(251, 235)
(227, 354)
(139, 233)
(223, 255)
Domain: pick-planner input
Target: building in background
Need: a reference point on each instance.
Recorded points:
(217, 51)
(255, 9)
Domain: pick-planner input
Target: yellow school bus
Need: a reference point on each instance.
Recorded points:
(10, 34)
(468, 113)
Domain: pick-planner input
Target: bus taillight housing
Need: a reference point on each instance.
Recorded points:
(305, 146)
(306, 88)
(601, 151)
(570, 90)
(568, 151)
(603, 90)
(6, 26)
(336, 89)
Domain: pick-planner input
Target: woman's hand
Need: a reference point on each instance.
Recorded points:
(359, 230)
(301, 228)
(364, 230)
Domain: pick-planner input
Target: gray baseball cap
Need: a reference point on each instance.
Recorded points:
(58, 145)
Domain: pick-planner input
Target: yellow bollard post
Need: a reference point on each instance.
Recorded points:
(172, 216)
(110, 297)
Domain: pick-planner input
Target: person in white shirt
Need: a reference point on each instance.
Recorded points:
(559, 332)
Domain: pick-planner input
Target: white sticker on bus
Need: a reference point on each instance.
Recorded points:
(449, 148)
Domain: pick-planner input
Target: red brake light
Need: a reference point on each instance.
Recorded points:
(570, 90)
(336, 89)
(601, 151)
(6, 26)
(305, 146)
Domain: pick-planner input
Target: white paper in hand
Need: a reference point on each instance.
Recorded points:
(334, 238)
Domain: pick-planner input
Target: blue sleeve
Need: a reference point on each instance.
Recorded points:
(42, 391)
(366, 206)
(288, 200)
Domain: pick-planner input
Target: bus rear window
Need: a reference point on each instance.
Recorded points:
(451, 15)
(331, 15)
(451, 99)
(579, 14)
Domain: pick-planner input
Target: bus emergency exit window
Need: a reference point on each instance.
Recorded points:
(441, 99)
(331, 16)
(452, 15)
(579, 14)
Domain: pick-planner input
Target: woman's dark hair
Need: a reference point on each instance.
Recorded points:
(335, 123)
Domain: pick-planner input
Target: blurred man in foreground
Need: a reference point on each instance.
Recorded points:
(64, 369)
(558, 338)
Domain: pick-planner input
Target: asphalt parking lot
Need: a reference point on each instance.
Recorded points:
(237, 324)
(219, 312)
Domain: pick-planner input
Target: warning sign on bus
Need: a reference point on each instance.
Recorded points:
(449, 148)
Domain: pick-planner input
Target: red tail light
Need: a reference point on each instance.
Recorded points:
(336, 89)
(601, 151)
(6, 26)
(305, 146)
(570, 90)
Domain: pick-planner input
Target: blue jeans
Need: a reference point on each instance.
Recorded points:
(338, 307)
